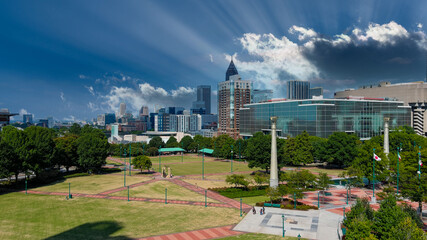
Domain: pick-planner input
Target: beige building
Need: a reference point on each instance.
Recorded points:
(413, 94)
(233, 93)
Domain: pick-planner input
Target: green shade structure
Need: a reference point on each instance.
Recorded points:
(162, 150)
(206, 151)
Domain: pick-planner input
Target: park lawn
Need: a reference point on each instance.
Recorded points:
(52, 217)
(210, 167)
(111, 162)
(259, 236)
(92, 184)
(206, 183)
(253, 200)
(248, 176)
(178, 158)
(334, 172)
(157, 190)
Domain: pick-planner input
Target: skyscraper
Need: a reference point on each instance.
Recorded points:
(143, 111)
(27, 118)
(204, 95)
(297, 89)
(122, 111)
(233, 93)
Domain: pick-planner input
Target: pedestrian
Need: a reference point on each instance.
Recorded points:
(254, 210)
(263, 210)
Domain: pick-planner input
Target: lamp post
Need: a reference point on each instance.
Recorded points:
(206, 198)
(283, 225)
(299, 236)
(347, 196)
(69, 191)
(419, 178)
(166, 196)
(318, 199)
(130, 159)
(128, 193)
(124, 170)
(373, 178)
(295, 201)
(203, 166)
(240, 207)
(231, 159)
(160, 153)
(182, 153)
(398, 160)
(343, 212)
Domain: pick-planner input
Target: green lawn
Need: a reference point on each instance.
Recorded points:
(111, 162)
(157, 190)
(52, 217)
(253, 200)
(92, 184)
(259, 236)
(178, 158)
(196, 167)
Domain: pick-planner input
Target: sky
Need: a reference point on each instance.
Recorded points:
(75, 59)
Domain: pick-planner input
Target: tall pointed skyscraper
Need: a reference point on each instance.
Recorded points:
(232, 70)
(233, 93)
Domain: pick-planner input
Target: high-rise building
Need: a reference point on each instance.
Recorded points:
(100, 120)
(27, 118)
(50, 122)
(261, 95)
(297, 89)
(122, 111)
(316, 91)
(143, 111)
(110, 118)
(233, 93)
(203, 98)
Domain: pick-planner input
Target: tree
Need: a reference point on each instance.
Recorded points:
(153, 151)
(301, 179)
(237, 180)
(297, 150)
(388, 216)
(17, 141)
(156, 142)
(364, 161)
(92, 151)
(75, 129)
(7, 156)
(340, 149)
(260, 179)
(319, 147)
(353, 178)
(323, 182)
(222, 146)
(186, 142)
(66, 151)
(40, 149)
(258, 151)
(360, 228)
(272, 193)
(142, 162)
(172, 142)
(407, 230)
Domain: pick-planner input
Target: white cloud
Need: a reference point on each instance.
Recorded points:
(62, 96)
(71, 118)
(90, 89)
(23, 111)
(211, 58)
(303, 33)
(419, 25)
(384, 34)
(148, 95)
(92, 106)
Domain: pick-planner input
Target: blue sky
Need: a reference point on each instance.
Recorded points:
(76, 59)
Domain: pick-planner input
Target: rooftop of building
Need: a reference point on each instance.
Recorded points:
(386, 84)
(322, 101)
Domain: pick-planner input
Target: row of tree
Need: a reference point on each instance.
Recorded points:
(37, 149)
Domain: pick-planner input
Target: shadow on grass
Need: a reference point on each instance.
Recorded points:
(96, 230)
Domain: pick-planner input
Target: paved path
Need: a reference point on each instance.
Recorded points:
(208, 233)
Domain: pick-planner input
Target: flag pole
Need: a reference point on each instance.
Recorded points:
(373, 173)
(398, 160)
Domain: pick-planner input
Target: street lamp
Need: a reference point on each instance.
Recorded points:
(283, 225)
(231, 158)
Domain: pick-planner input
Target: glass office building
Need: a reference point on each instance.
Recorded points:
(323, 117)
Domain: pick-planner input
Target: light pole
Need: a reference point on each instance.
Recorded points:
(128, 193)
(124, 170)
(373, 179)
(182, 153)
(347, 195)
(283, 225)
(160, 153)
(240, 207)
(343, 212)
(295, 201)
(166, 196)
(203, 166)
(419, 178)
(231, 159)
(398, 160)
(130, 159)
(318, 199)
(206, 198)
(69, 191)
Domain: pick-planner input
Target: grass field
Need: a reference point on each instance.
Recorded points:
(334, 172)
(196, 167)
(157, 190)
(258, 236)
(224, 176)
(253, 200)
(178, 158)
(207, 184)
(110, 162)
(53, 217)
(92, 184)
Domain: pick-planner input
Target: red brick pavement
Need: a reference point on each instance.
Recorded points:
(208, 233)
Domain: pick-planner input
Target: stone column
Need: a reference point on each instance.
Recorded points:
(274, 179)
(386, 144)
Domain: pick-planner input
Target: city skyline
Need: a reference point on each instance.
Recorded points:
(79, 60)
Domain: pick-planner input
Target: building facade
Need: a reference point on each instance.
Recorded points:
(316, 91)
(323, 117)
(413, 94)
(297, 89)
(233, 93)
(122, 110)
(261, 95)
(27, 118)
(203, 98)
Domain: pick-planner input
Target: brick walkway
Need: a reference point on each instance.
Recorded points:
(208, 233)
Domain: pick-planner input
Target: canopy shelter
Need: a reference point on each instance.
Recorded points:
(206, 151)
(163, 150)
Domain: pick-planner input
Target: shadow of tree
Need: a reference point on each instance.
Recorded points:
(95, 230)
